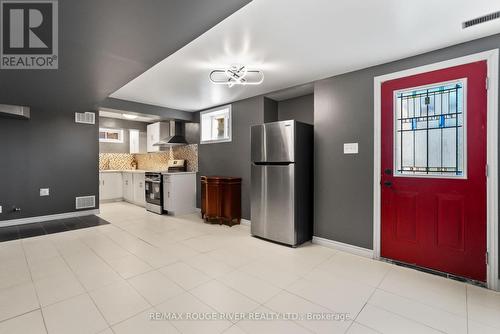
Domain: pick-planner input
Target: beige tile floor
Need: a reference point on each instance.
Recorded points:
(110, 279)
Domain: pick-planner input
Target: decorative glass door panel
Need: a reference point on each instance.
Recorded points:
(429, 131)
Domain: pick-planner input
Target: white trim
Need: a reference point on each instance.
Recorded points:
(245, 222)
(492, 58)
(39, 219)
(365, 252)
(229, 138)
(112, 141)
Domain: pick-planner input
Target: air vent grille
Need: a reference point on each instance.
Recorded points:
(85, 202)
(85, 117)
(481, 19)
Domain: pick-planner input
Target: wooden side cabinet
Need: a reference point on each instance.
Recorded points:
(221, 199)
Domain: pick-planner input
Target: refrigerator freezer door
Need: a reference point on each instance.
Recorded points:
(272, 199)
(273, 142)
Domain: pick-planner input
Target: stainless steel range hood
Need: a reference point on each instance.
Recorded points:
(11, 111)
(176, 137)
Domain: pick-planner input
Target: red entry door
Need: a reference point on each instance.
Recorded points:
(434, 170)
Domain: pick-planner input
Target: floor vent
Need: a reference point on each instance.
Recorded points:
(482, 19)
(85, 117)
(85, 202)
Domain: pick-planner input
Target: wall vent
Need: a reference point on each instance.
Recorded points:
(85, 117)
(482, 19)
(85, 202)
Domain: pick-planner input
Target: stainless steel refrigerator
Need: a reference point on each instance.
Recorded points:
(282, 182)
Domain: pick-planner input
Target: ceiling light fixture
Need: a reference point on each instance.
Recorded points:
(128, 116)
(236, 75)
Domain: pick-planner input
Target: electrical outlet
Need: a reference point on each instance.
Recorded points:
(44, 191)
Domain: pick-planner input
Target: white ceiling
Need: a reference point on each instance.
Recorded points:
(112, 113)
(299, 41)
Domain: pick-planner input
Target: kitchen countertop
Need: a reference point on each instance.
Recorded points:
(173, 173)
(139, 171)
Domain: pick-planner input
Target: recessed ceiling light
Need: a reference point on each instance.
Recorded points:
(236, 75)
(128, 116)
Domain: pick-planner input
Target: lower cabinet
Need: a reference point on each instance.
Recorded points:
(179, 193)
(128, 187)
(133, 188)
(139, 189)
(110, 186)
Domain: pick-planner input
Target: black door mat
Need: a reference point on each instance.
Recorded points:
(53, 226)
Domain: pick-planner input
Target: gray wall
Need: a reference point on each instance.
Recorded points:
(233, 158)
(48, 151)
(299, 108)
(343, 112)
(114, 123)
(270, 110)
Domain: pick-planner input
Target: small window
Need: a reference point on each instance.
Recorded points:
(430, 131)
(110, 135)
(216, 125)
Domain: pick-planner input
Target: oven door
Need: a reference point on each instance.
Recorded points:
(154, 191)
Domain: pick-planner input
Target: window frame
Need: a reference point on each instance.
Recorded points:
(395, 173)
(229, 138)
(120, 133)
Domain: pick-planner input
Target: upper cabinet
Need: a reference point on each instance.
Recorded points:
(156, 131)
(138, 143)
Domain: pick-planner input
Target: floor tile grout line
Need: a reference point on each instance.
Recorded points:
(34, 288)
(86, 291)
(407, 318)
(424, 303)
(157, 269)
(89, 292)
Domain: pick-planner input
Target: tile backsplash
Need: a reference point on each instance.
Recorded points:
(151, 161)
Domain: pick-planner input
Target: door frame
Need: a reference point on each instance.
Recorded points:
(492, 59)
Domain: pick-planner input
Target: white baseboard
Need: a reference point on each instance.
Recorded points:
(365, 252)
(38, 219)
(245, 222)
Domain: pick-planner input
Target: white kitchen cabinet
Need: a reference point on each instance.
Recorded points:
(138, 141)
(156, 131)
(110, 185)
(139, 189)
(179, 193)
(128, 186)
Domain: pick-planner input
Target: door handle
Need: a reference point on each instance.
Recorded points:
(388, 183)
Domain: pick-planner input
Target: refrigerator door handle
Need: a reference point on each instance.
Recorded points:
(265, 163)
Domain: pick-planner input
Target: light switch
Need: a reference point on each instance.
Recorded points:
(44, 191)
(0, 209)
(350, 148)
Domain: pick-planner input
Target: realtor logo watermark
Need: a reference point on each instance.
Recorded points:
(29, 34)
